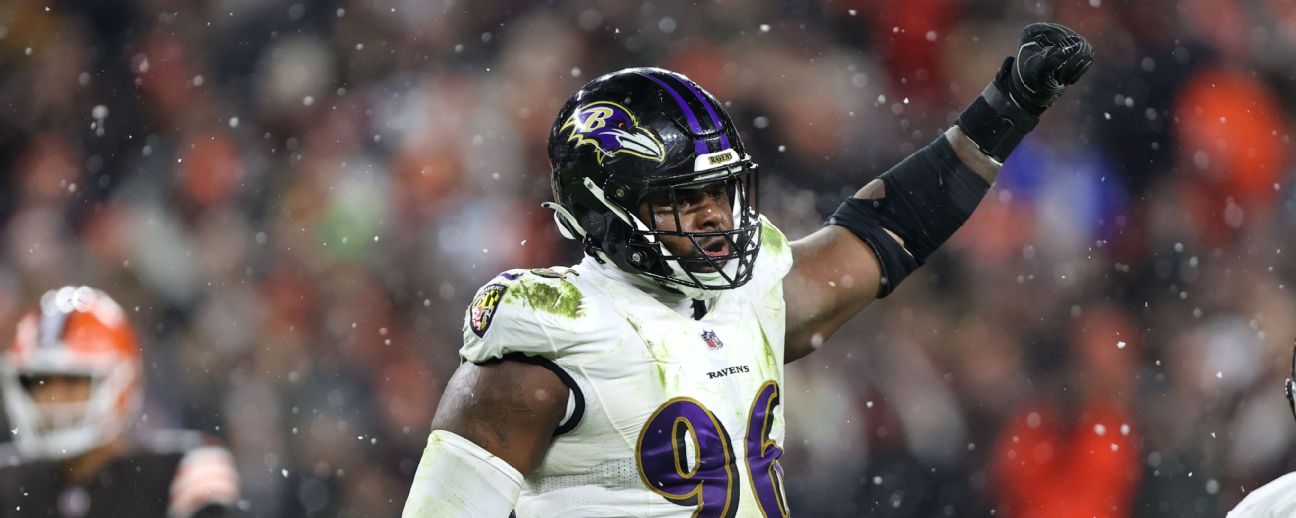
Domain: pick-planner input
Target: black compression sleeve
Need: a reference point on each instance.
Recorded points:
(927, 198)
(929, 195)
(856, 215)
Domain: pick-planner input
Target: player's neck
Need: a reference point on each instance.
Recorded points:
(82, 468)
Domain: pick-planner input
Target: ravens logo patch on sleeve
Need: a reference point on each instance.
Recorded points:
(483, 307)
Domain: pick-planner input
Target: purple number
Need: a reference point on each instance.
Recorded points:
(763, 453)
(708, 480)
(705, 478)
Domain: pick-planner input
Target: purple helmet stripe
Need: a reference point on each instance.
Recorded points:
(724, 139)
(698, 145)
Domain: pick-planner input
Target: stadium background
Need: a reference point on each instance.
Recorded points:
(296, 200)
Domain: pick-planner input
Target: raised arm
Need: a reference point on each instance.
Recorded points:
(889, 228)
(835, 274)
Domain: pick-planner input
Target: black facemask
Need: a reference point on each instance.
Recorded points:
(1290, 386)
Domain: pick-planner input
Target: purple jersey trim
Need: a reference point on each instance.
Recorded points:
(724, 139)
(698, 145)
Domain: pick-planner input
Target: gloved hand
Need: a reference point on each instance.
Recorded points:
(1050, 58)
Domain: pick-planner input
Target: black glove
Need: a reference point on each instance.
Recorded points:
(1050, 58)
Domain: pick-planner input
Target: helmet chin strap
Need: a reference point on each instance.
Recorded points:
(704, 278)
(660, 290)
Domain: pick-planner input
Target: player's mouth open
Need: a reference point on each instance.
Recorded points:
(718, 247)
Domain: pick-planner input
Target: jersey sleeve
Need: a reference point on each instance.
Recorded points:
(205, 478)
(535, 313)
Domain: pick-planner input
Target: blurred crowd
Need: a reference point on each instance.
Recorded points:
(295, 200)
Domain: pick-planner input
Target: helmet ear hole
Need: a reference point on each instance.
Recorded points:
(616, 244)
(596, 225)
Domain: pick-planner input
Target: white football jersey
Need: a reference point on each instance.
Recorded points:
(669, 416)
(1276, 499)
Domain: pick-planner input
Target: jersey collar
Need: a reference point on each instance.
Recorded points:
(674, 300)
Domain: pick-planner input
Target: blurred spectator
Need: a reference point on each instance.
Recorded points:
(1075, 450)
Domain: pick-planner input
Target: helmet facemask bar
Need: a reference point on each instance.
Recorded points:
(699, 270)
(1290, 386)
(52, 417)
(66, 429)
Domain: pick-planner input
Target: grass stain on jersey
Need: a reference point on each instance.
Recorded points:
(653, 350)
(771, 363)
(563, 300)
(638, 329)
(772, 238)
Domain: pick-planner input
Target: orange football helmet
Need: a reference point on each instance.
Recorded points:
(76, 332)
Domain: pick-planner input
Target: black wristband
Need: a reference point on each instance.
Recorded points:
(994, 121)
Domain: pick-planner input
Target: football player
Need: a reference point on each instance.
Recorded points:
(71, 382)
(1276, 499)
(647, 379)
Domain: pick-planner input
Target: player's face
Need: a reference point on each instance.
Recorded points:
(706, 208)
(53, 393)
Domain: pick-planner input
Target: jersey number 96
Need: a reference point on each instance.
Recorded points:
(685, 455)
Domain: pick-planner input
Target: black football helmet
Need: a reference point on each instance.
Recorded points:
(642, 132)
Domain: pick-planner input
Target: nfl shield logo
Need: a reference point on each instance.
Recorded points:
(712, 341)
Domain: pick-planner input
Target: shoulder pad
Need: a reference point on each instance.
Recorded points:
(541, 290)
(525, 311)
